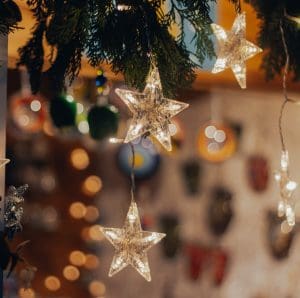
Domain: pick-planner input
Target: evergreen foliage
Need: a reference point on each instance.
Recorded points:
(125, 37)
(10, 15)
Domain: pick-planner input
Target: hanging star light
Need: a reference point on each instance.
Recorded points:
(152, 112)
(3, 162)
(131, 244)
(287, 188)
(234, 49)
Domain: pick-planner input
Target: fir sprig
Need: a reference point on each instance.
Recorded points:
(123, 38)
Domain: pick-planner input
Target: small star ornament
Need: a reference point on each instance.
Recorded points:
(287, 188)
(3, 162)
(234, 49)
(151, 111)
(131, 244)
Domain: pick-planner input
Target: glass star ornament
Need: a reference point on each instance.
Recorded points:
(3, 162)
(131, 244)
(151, 111)
(234, 49)
(287, 188)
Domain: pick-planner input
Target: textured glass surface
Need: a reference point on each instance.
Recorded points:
(131, 244)
(3, 162)
(287, 187)
(234, 49)
(151, 111)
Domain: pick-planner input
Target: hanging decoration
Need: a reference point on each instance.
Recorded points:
(28, 112)
(280, 236)
(151, 111)
(234, 49)
(286, 205)
(220, 211)
(172, 243)
(103, 118)
(13, 209)
(192, 173)
(147, 160)
(258, 172)
(63, 110)
(287, 187)
(199, 256)
(12, 224)
(3, 162)
(216, 142)
(10, 16)
(131, 243)
(103, 121)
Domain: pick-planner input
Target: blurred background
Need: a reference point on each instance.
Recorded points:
(214, 194)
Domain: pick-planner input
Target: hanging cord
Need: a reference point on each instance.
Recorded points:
(132, 176)
(150, 52)
(284, 86)
(238, 7)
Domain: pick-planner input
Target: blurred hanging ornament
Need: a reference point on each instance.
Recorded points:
(280, 236)
(234, 49)
(196, 257)
(3, 162)
(258, 172)
(13, 209)
(220, 211)
(103, 118)
(63, 111)
(220, 260)
(100, 81)
(146, 162)
(192, 172)
(131, 244)
(216, 142)
(28, 112)
(286, 205)
(103, 121)
(151, 111)
(170, 226)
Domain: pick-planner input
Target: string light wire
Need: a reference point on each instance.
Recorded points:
(284, 86)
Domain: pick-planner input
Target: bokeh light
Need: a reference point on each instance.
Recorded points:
(95, 233)
(52, 283)
(92, 262)
(92, 214)
(26, 293)
(97, 288)
(77, 258)
(77, 210)
(79, 159)
(71, 273)
(92, 185)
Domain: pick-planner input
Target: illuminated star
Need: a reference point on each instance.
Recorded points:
(234, 49)
(3, 162)
(131, 244)
(287, 188)
(151, 111)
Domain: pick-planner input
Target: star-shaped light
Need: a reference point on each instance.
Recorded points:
(287, 188)
(234, 49)
(151, 111)
(3, 162)
(131, 244)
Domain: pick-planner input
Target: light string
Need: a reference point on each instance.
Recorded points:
(284, 86)
(132, 175)
(238, 7)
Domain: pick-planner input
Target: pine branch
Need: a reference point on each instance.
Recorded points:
(271, 13)
(10, 16)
